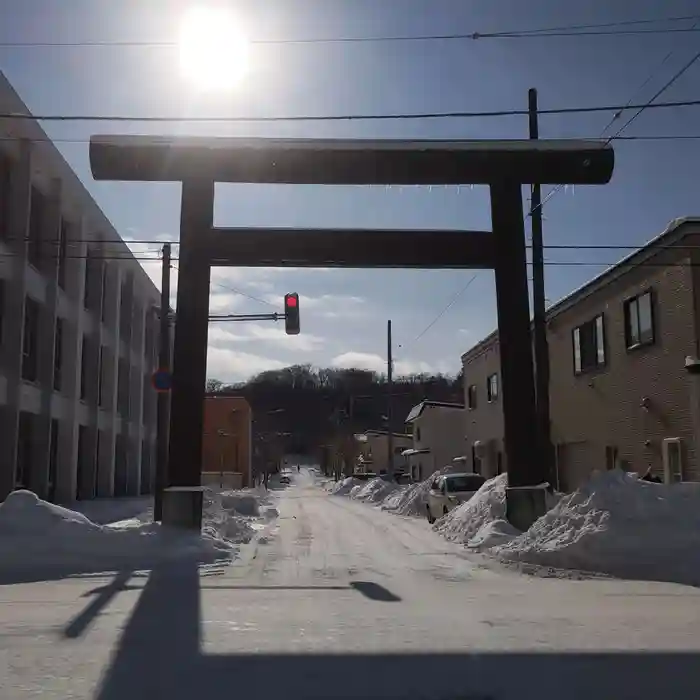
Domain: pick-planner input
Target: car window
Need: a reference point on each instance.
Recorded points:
(465, 482)
(435, 486)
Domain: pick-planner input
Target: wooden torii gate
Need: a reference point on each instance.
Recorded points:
(504, 166)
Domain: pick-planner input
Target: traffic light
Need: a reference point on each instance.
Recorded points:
(291, 313)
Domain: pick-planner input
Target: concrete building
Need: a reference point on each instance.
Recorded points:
(438, 437)
(373, 452)
(620, 393)
(227, 441)
(78, 331)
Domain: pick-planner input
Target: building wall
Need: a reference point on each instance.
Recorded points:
(376, 448)
(484, 419)
(640, 396)
(621, 412)
(68, 312)
(230, 452)
(441, 430)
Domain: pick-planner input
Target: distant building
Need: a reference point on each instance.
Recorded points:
(227, 439)
(373, 451)
(78, 331)
(438, 437)
(619, 392)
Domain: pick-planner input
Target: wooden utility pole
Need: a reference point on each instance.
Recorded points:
(163, 423)
(389, 402)
(546, 452)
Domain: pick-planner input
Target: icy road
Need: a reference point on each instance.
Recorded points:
(341, 600)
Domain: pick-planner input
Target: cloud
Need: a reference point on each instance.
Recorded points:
(233, 366)
(330, 305)
(224, 334)
(376, 363)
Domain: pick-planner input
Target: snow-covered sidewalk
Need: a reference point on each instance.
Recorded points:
(42, 540)
(615, 524)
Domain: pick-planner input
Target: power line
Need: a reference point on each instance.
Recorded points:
(341, 117)
(449, 305)
(581, 30)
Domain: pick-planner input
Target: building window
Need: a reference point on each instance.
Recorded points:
(30, 346)
(639, 321)
(53, 460)
(2, 307)
(5, 170)
(492, 387)
(103, 290)
(37, 212)
(62, 253)
(89, 272)
(83, 370)
(25, 438)
(123, 388)
(58, 355)
(589, 345)
(471, 397)
(417, 433)
(100, 378)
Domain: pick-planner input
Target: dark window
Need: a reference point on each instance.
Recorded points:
(62, 253)
(58, 355)
(100, 378)
(81, 464)
(123, 388)
(639, 320)
(492, 387)
(471, 396)
(24, 450)
(83, 370)
(2, 307)
(37, 212)
(30, 346)
(418, 433)
(589, 345)
(5, 170)
(53, 460)
(467, 482)
(90, 268)
(103, 287)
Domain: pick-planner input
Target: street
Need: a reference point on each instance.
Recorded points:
(340, 599)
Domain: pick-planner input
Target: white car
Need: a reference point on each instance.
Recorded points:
(449, 491)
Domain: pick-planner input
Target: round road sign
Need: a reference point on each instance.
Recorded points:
(162, 380)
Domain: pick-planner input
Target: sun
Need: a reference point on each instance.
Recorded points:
(213, 49)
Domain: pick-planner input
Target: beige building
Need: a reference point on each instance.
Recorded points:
(438, 430)
(619, 391)
(373, 451)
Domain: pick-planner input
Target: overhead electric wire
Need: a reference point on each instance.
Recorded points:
(581, 30)
(343, 117)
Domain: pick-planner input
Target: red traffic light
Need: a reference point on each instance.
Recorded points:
(291, 313)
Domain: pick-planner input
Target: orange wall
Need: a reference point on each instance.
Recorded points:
(231, 453)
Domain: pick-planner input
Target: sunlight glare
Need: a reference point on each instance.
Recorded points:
(213, 50)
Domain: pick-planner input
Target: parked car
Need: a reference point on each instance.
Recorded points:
(449, 491)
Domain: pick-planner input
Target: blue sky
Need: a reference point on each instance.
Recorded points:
(344, 313)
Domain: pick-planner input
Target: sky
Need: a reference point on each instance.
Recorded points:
(344, 313)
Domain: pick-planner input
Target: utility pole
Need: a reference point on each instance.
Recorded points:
(389, 401)
(546, 452)
(164, 396)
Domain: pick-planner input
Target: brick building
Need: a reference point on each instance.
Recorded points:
(619, 390)
(227, 440)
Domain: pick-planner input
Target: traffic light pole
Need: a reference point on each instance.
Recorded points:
(389, 401)
(163, 397)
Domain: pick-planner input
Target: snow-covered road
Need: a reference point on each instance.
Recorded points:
(344, 600)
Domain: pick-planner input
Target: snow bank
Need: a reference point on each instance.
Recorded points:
(619, 525)
(343, 488)
(410, 500)
(43, 540)
(466, 521)
(375, 491)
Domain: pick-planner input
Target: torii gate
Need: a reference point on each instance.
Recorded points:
(504, 166)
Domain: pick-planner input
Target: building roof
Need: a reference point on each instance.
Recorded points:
(416, 411)
(675, 230)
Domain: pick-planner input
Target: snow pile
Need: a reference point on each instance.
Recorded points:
(411, 499)
(375, 491)
(620, 525)
(343, 488)
(236, 516)
(493, 534)
(466, 521)
(36, 536)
